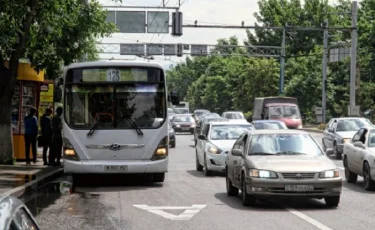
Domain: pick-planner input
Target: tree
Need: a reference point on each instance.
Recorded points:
(48, 33)
(297, 13)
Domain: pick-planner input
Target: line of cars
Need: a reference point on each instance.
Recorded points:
(265, 159)
(353, 140)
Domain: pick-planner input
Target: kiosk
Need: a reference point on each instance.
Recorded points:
(26, 96)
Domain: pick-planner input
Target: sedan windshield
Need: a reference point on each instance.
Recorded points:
(183, 119)
(269, 125)
(371, 139)
(181, 111)
(228, 132)
(234, 116)
(347, 125)
(284, 144)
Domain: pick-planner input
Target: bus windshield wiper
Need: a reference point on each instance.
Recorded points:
(94, 127)
(134, 125)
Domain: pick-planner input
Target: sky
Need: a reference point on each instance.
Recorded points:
(213, 12)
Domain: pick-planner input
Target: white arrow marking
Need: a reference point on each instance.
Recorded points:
(186, 215)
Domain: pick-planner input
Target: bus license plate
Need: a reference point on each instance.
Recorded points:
(116, 168)
(299, 188)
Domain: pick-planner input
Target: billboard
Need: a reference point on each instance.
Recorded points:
(157, 22)
(197, 50)
(170, 50)
(132, 49)
(154, 49)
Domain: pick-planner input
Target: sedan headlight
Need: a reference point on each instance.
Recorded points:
(345, 140)
(213, 149)
(177, 126)
(329, 174)
(262, 174)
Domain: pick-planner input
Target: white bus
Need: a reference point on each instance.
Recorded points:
(115, 119)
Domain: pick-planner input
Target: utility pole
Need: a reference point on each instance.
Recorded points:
(353, 54)
(282, 65)
(324, 85)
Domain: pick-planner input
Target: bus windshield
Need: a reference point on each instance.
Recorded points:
(115, 104)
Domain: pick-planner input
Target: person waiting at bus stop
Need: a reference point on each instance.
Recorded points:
(31, 134)
(46, 127)
(57, 141)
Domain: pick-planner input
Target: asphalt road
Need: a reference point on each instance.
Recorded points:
(108, 205)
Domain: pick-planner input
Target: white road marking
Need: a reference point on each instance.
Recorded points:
(308, 219)
(189, 212)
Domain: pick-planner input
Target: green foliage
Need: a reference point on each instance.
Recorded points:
(61, 32)
(231, 82)
(49, 33)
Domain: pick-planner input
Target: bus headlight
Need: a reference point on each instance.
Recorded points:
(68, 151)
(70, 154)
(161, 152)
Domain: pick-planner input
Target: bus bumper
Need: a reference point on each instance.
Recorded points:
(100, 167)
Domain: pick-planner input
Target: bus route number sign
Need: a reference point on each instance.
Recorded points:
(113, 75)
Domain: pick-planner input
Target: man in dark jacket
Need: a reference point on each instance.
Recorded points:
(46, 127)
(31, 134)
(57, 141)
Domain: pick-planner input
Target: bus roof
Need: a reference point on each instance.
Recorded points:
(114, 63)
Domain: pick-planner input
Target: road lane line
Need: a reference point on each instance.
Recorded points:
(308, 219)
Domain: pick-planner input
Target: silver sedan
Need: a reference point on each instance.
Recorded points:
(285, 163)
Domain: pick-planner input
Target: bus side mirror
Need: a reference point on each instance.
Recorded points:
(57, 94)
(173, 97)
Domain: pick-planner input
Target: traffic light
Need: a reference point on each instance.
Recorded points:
(180, 51)
(177, 24)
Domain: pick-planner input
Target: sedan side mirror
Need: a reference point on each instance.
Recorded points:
(329, 151)
(236, 152)
(330, 130)
(201, 137)
(359, 144)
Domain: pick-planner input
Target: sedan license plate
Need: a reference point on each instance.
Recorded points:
(116, 168)
(185, 128)
(299, 188)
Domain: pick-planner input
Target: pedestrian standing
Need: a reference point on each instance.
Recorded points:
(31, 134)
(57, 136)
(47, 132)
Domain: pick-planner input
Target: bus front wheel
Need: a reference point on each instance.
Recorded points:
(159, 177)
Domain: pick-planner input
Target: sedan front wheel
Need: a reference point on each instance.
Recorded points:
(231, 190)
(247, 200)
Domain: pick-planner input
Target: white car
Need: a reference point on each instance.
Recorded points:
(359, 157)
(234, 115)
(216, 139)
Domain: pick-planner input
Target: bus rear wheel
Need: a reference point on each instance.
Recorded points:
(159, 177)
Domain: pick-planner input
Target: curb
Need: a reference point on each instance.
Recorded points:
(314, 130)
(32, 185)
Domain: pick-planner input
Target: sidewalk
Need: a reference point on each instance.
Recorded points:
(20, 178)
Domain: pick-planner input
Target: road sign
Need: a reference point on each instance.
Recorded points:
(186, 215)
(353, 110)
(170, 50)
(154, 49)
(132, 49)
(197, 50)
(157, 22)
(131, 21)
(339, 54)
